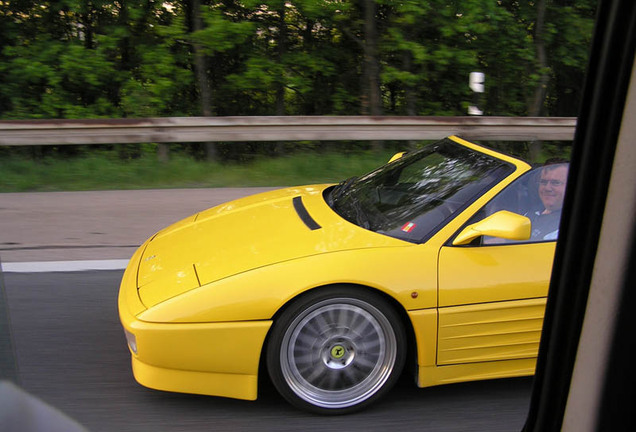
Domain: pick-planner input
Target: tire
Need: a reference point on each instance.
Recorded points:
(336, 350)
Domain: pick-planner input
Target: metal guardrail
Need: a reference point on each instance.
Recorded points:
(289, 128)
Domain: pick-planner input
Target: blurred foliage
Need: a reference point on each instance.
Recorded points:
(523, 149)
(103, 58)
(103, 170)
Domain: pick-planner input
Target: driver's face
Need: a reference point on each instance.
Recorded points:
(552, 187)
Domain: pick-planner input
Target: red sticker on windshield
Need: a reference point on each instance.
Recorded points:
(408, 227)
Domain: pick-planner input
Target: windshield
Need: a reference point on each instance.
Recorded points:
(416, 195)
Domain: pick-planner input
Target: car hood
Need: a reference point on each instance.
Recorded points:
(243, 235)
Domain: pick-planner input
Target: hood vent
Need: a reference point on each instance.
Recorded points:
(303, 214)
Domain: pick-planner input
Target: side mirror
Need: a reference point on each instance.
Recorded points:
(396, 156)
(503, 224)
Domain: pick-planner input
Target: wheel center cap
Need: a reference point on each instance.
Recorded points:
(338, 351)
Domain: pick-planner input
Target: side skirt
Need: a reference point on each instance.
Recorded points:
(429, 376)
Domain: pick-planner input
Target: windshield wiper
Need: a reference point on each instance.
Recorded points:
(358, 214)
(343, 187)
(361, 217)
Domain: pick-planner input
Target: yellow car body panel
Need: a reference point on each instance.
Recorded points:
(248, 235)
(429, 376)
(261, 293)
(226, 351)
(522, 272)
(206, 358)
(200, 296)
(237, 386)
(489, 331)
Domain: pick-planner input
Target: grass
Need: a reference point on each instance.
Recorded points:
(105, 172)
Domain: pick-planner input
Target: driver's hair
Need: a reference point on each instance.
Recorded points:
(554, 163)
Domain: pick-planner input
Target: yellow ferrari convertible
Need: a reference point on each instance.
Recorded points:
(439, 260)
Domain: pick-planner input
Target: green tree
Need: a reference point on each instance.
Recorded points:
(431, 47)
(140, 58)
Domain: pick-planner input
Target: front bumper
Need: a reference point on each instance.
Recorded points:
(219, 359)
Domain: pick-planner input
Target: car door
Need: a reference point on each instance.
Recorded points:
(492, 292)
(491, 301)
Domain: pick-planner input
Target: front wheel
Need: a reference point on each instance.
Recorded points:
(336, 350)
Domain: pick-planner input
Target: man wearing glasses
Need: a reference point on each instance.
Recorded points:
(545, 224)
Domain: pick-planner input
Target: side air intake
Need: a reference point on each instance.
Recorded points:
(303, 214)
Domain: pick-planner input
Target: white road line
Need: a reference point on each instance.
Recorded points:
(63, 266)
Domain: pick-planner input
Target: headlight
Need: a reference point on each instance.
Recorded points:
(132, 341)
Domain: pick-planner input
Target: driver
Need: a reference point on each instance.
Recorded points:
(545, 223)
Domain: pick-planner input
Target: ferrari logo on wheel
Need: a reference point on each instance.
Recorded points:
(337, 351)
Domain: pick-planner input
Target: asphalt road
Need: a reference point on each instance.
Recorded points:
(97, 225)
(70, 352)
